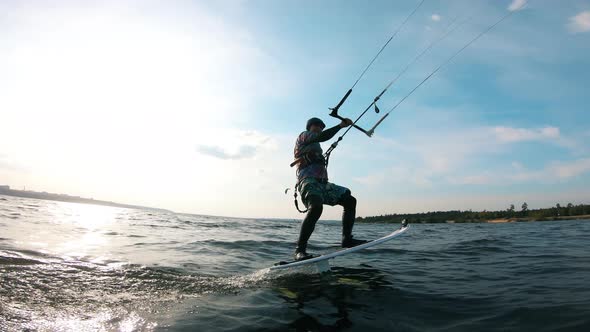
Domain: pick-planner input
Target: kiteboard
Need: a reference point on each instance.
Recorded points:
(322, 260)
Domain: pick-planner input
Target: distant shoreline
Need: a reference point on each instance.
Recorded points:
(557, 212)
(490, 221)
(440, 217)
(69, 199)
(503, 220)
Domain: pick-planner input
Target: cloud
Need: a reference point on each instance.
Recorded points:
(546, 134)
(580, 22)
(571, 169)
(517, 5)
(244, 151)
(460, 157)
(517, 165)
(435, 17)
(236, 145)
(396, 175)
(481, 179)
(422, 202)
(554, 171)
(8, 165)
(513, 135)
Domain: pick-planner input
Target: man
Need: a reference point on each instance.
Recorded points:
(313, 185)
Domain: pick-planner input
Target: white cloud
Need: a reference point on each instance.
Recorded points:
(453, 157)
(422, 202)
(435, 17)
(553, 172)
(242, 152)
(570, 169)
(516, 5)
(580, 22)
(241, 145)
(7, 165)
(397, 175)
(516, 165)
(512, 135)
(482, 179)
(548, 134)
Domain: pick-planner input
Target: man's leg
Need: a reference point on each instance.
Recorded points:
(348, 202)
(348, 216)
(315, 206)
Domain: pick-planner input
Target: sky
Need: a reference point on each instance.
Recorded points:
(195, 106)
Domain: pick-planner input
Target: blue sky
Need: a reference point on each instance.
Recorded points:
(195, 106)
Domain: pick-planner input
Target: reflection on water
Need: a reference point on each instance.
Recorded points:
(337, 291)
(91, 217)
(91, 222)
(70, 230)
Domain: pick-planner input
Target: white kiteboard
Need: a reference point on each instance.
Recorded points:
(322, 260)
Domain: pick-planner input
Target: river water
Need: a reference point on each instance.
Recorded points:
(76, 267)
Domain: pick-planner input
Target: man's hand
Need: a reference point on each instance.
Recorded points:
(345, 123)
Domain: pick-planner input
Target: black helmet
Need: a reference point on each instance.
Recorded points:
(315, 121)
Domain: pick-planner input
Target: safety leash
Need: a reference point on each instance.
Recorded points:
(297, 202)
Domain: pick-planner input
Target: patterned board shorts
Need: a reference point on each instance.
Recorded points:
(329, 192)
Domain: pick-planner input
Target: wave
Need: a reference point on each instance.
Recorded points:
(158, 226)
(4, 260)
(112, 275)
(543, 318)
(23, 257)
(479, 246)
(65, 293)
(242, 244)
(10, 215)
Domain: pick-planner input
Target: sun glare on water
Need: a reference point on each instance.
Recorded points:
(88, 225)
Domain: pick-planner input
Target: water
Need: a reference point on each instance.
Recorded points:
(74, 267)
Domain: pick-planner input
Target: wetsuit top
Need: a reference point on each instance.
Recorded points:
(308, 147)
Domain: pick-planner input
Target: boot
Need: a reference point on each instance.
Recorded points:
(307, 226)
(301, 254)
(349, 242)
(348, 216)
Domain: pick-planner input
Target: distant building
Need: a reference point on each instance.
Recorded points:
(4, 188)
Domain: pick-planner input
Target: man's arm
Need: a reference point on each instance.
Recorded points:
(326, 134)
(329, 133)
(323, 136)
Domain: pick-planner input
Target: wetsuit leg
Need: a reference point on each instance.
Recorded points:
(349, 203)
(316, 206)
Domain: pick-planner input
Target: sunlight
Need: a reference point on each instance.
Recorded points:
(89, 223)
(89, 216)
(123, 98)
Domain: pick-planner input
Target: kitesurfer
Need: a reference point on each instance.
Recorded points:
(314, 188)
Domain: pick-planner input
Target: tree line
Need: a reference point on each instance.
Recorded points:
(476, 216)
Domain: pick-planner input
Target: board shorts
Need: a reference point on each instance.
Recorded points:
(329, 192)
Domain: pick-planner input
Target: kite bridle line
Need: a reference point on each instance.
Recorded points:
(334, 110)
(374, 102)
(447, 61)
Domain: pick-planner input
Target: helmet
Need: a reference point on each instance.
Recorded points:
(315, 121)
